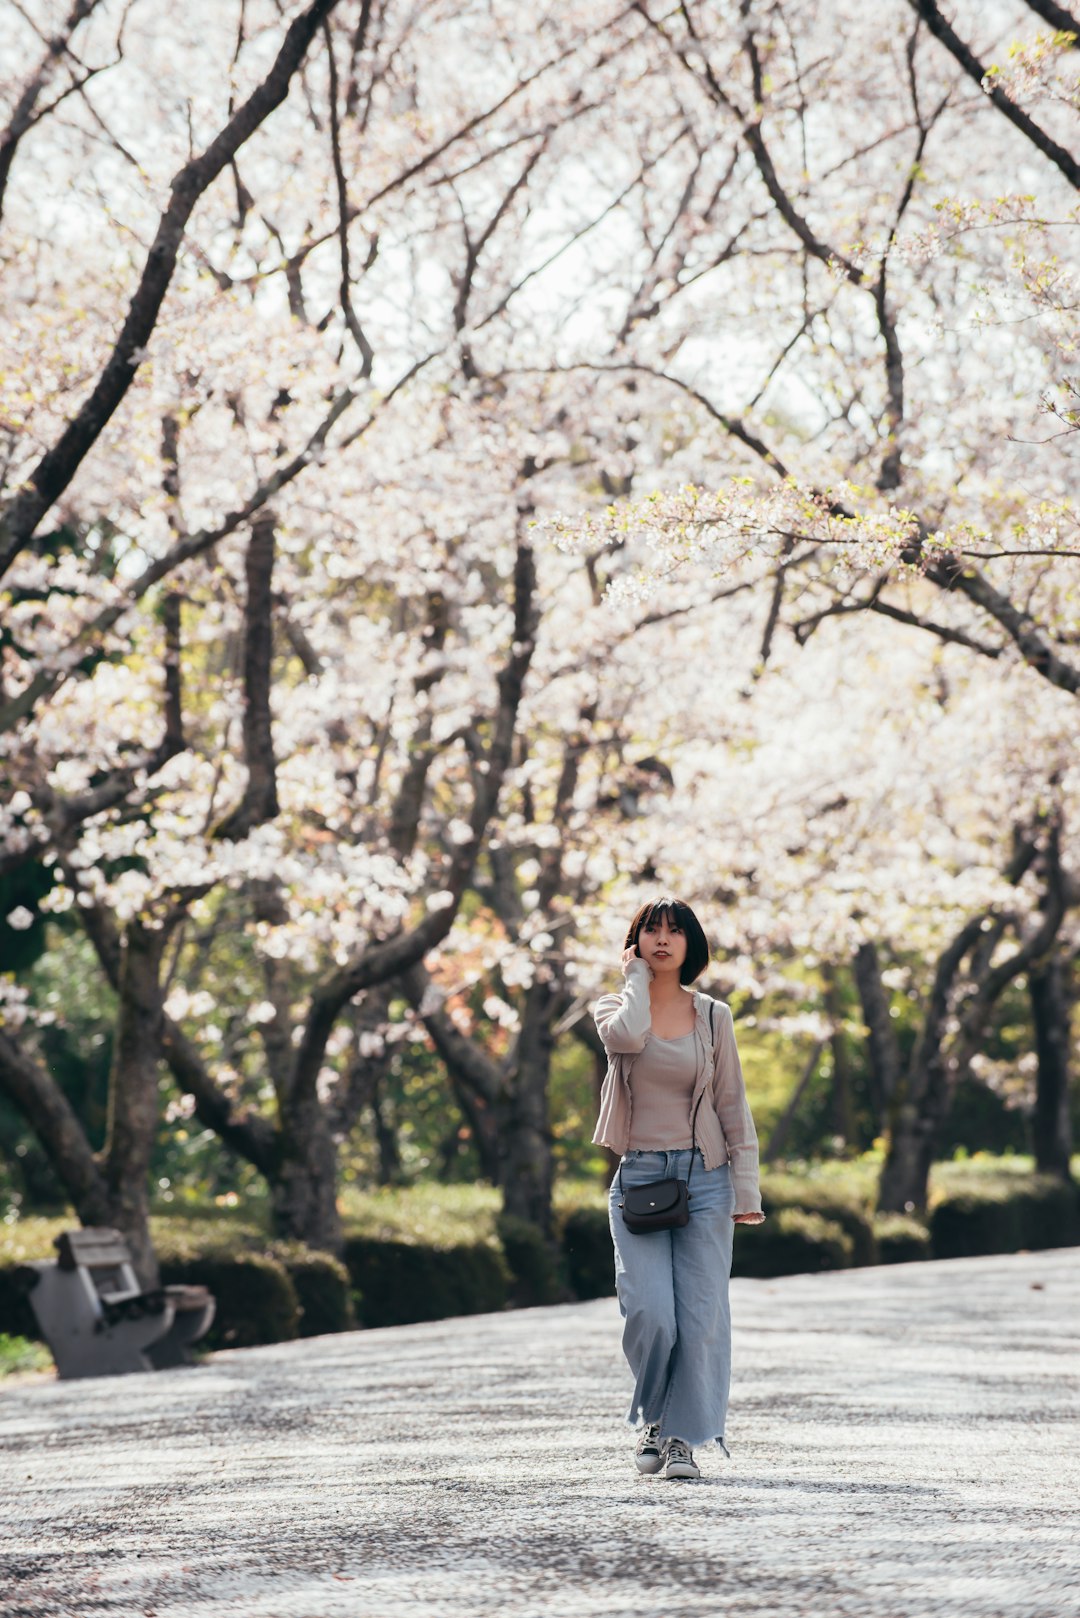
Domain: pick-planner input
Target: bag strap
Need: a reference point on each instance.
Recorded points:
(693, 1125)
(693, 1121)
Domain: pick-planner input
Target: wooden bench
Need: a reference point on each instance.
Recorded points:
(96, 1318)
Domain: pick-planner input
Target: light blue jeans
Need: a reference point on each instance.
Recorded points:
(672, 1287)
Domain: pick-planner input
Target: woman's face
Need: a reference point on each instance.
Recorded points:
(662, 944)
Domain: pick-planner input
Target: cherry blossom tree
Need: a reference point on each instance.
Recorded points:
(741, 311)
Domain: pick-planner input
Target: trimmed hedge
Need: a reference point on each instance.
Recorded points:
(271, 1292)
(900, 1240)
(323, 1288)
(534, 1273)
(587, 1253)
(783, 1191)
(17, 1318)
(256, 1301)
(400, 1282)
(1006, 1215)
(791, 1242)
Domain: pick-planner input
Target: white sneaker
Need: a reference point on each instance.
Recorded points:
(647, 1454)
(677, 1460)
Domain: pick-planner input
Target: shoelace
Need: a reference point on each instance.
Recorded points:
(678, 1451)
(650, 1438)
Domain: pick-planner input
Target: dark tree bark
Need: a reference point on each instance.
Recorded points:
(247, 1133)
(506, 1101)
(1051, 989)
(112, 1188)
(1058, 17)
(526, 1170)
(133, 1094)
(303, 1208)
(843, 1117)
(962, 53)
(259, 803)
(941, 1056)
(883, 1049)
(303, 1187)
(33, 1090)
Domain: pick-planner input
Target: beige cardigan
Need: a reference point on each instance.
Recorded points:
(725, 1131)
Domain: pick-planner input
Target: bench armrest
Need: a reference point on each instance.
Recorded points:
(133, 1305)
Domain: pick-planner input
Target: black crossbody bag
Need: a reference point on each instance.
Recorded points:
(662, 1204)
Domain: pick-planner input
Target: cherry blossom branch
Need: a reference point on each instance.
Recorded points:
(952, 574)
(472, 124)
(25, 114)
(246, 1132)
(962, 53)
(47, 680)
(59, 464)
(359, 336)
(395, 955)
(803, 628)
(1057, 17)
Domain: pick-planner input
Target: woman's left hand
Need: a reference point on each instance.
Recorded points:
(748, 1218)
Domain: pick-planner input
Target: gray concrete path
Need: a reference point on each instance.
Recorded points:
(905, 1442)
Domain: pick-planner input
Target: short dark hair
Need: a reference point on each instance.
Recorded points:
(679, 913)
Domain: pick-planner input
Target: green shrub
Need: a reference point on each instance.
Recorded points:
(323, 1288)
(17, 1318)
(900, 1240)
(1005, 1214)
(534, 1275)
(791, 1242)
(400, 1282)
(255, 1299)
(587, 1253)
(791, 1191)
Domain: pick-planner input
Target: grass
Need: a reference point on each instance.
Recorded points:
(19, 1355)
(442, 1215)
(445, 1215)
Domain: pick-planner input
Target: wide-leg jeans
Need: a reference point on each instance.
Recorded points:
(672, 1287)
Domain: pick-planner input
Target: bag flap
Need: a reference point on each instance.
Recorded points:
(657, 1198)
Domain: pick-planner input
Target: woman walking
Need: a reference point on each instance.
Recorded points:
(674, 1106)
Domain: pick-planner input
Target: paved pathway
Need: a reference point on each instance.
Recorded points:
(905, 1443)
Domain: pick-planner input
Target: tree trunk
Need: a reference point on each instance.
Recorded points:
(905, 1176)
(927, 1092)
(303, 1185)
(843, 1122)
(882, 1047)
(1051, 1005)
(133, 1096)
(526, 1170)
(962, 1014)
(385, 1135)
(33, 1090)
